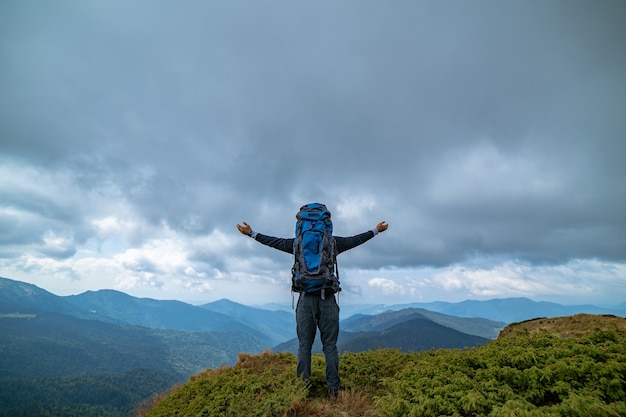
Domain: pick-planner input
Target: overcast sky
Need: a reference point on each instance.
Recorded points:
(490, 135)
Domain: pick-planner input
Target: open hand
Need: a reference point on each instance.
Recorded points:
(246, 229)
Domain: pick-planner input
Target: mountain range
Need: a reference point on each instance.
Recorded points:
(48, 341)
(507, 310)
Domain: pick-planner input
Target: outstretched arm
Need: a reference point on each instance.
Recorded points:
(285, 245)
(347, 243)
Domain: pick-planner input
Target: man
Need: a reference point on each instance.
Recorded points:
(316, 311)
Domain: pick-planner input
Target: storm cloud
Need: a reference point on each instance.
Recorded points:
(490, 136)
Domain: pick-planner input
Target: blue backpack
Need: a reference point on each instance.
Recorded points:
(315, 252)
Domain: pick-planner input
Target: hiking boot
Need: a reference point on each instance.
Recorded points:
(333, 394)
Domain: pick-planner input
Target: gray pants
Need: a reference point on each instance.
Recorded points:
(312, 312)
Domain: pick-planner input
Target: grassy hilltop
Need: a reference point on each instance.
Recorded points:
(568, 366)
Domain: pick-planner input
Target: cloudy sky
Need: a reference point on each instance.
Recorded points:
(490, 135)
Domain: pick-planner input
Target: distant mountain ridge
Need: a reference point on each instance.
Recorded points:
(510, 310)
(97, 336)
(414, 334)
(17, 296)
(280, 325)
(507, 310)
(158, 314)
(473, 326)
(410, 329)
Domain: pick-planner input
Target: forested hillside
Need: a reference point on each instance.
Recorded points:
(87, 356)
(569, 366)
(57, 365)
(87, 395)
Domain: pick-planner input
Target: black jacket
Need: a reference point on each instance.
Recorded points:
(343, 243)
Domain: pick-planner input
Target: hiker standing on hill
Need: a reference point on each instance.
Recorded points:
(315, 277)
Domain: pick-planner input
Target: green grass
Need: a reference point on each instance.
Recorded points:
(572, 366)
